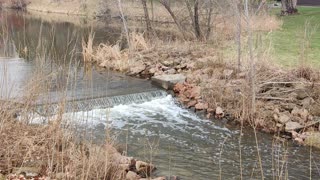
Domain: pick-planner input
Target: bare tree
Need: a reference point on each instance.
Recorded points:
(200, 14)
(196, 19)
(209, 19)
(146, 16)
(251, 60)
(193, 8)
(166, 4)
(124, 23)
(237, 6)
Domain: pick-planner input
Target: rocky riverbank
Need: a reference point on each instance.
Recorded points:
(287, 100)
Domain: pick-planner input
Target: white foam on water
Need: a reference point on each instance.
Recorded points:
(145, 118)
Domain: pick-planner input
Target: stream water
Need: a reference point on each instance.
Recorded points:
(158, 130)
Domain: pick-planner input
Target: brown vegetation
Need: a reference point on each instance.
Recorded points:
(55, 151)
(14, 4)
(49, 151)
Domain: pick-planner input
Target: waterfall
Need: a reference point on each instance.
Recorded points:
(101, 102)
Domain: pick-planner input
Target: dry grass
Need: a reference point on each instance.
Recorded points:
(53, 152)
(70, 7)
(111, 56)
(138, 42)
(266, 23)
(87, 48)
(50, 151)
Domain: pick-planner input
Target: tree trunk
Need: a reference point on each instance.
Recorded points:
(152, 10)
(124, 23)
(189, 7)
(209, 20)
(289, 7)
(196, 20)
(146, 15)
(294, 4)
(239, 32)
(284, 7)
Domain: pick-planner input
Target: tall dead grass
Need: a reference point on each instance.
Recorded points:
(112, 56)
(49, 150)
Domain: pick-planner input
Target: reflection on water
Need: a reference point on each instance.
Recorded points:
(55, 42)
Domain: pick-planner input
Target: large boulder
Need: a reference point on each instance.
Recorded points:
(168, 81)
(137, 68)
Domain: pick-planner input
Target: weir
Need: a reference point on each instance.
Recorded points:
(74, 89)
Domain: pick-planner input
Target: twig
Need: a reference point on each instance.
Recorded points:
(275, 98)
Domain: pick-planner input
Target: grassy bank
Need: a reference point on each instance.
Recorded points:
(303, 28)
(82, 8)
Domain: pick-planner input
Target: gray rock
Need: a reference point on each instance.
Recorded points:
(168, 81)
(152, 70)
(292, 126)
(219, 111)
(177, 61)
(227, 73)
(132, 176)
(27, 171)
(159, 178)
(301, 94)
(171, 71)
(138, 68)
(283, 119)
(307, 102)
(168, 63)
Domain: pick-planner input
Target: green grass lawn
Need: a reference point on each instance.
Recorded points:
(287, 40)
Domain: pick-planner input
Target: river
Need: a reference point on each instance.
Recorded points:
(156, 128)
